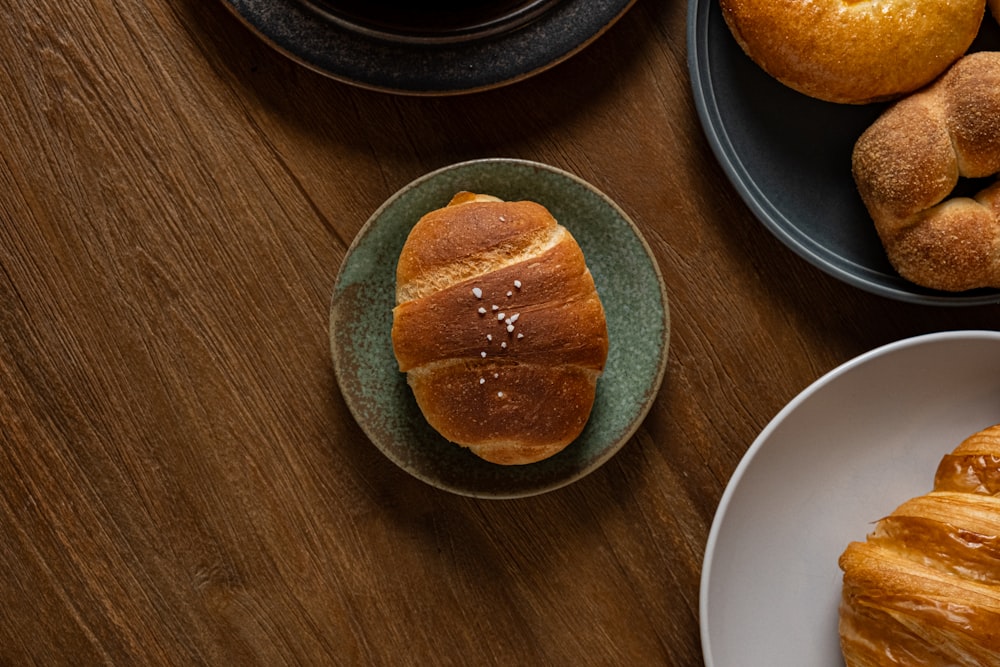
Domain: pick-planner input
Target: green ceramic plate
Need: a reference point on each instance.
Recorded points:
(628, 282)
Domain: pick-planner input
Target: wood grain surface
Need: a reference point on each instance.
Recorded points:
(180, 480)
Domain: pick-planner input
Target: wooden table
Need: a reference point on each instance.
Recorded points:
(180, 479)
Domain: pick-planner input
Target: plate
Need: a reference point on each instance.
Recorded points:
(530, 40)
(848, 450)
(628, 281)
(789, 157)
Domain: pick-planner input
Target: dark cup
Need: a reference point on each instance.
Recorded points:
(431, 20)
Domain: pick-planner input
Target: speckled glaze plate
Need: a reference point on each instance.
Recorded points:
(845, 452)
(628, 281)
(789, 157)
(307, 32)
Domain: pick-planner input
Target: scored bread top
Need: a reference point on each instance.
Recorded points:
(499, 328)
(490, 250)
(442, 250)
(555, 315)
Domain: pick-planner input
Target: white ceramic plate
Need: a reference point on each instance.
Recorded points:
(845, 452)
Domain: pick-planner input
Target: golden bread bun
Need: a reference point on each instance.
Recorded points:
(852, 51)
(924, 588)
(499, 328)
(995, 8)
(908, 163)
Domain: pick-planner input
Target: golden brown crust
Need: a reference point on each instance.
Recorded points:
(558, 315)
(439, 252)
(499, 328)
(924, 588)
(507, 413)
(972, 467)
(850, 51)
(907, 164)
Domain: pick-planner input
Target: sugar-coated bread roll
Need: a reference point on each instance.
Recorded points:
(924, 588)
(499, 328)
(854, 52)
(907, 164)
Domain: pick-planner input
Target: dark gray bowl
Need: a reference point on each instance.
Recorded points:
(789, 157)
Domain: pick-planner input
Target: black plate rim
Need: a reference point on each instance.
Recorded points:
(313, 40)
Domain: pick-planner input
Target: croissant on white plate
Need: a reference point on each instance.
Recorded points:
(924, 588)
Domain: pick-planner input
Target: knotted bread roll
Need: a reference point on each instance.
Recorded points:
(499, 328)
(852, 51)
(909, 161)
(924, 589)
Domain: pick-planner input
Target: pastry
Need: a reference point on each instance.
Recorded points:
(499, 328)
(907, 164)
(854, 52)
(924, 588)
